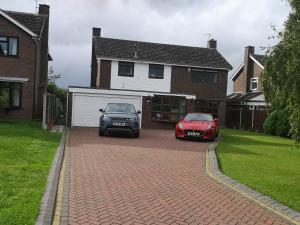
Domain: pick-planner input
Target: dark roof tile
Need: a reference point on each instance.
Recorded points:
(33, 22)
(159, 53)
(260, 58)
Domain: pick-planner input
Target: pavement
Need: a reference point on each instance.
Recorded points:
(154, 179)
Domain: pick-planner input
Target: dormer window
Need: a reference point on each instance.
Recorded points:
(8, 46)
(254, 84)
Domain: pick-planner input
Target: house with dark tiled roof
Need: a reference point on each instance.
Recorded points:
(246, 106)
(171, 80)
(24, 57)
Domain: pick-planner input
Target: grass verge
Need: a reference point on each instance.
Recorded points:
(268, 164)
(26, 154)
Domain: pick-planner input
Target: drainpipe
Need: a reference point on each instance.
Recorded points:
(35, 39)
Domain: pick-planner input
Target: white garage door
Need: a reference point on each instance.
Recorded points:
(85, 107)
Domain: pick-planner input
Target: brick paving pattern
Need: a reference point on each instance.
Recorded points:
(155, 179)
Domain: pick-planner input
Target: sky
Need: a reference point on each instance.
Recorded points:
(233, 23)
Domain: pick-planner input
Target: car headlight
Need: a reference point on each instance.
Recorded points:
(209, 127)
(180, 125)
(105, 117)
(134, 119)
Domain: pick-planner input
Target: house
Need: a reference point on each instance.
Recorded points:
(24, 57)
(163, 81)
(246, 106)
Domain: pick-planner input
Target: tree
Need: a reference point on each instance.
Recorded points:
(59, 92)
(281, 76)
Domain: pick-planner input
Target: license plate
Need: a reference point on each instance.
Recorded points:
(119, 124)
(193, 134)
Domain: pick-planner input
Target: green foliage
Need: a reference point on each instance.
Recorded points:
(277, 123)
(60, 93)
(281, 76)
(266, 163)
(2, 102)
(26, 153)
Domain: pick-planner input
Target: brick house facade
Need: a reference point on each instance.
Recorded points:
(246, 107)
(163, 81)
(201, 72)
(24, 59)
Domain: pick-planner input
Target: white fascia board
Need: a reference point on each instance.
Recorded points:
(14, 79)
(17, 23)
(125, 92)
(167, 64)
(256, 61)
(236, 72)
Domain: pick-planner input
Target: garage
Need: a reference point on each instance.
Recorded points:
(84, 104)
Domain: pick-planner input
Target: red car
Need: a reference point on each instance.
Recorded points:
(197, 125)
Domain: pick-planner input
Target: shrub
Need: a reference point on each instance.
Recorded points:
(277, 123)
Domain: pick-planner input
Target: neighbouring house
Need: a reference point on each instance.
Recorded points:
(163, 81)
(24, 57)
(246, 106)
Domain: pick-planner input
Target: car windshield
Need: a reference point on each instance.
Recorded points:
(120, 108)
(198, 117)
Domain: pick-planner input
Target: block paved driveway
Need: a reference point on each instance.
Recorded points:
(155, 179)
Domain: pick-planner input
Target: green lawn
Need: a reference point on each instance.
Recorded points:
(268, 164)
(26, 153)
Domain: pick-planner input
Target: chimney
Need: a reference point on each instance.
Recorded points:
(44, 9)
(212, 43)
(248, 68)
(96, 32)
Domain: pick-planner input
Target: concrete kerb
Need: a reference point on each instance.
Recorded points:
(48, 200)
(212, 169)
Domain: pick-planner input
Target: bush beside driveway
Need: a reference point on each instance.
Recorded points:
(26, 153)
(268, 164)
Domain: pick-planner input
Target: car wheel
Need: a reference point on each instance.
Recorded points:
(136, 135)
(176, 136)
(101, 133)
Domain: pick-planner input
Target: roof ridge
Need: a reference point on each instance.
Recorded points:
(26, 13)
(186, 46)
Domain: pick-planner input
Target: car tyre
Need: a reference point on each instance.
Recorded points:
(136, 135)
(101, 133)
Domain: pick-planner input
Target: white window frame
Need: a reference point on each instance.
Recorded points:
(254, 79)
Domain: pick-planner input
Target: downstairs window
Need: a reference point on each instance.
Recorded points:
(10, 94)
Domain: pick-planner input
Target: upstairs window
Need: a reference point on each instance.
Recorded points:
(156, 71)
(204, 76)
(126, 69)
(254, 84)
(8, 46)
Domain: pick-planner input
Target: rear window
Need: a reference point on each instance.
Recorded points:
(120, 108)
(198, 117)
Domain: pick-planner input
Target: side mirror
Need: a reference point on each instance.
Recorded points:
(138, 112)
(100, 110)
(181, 118)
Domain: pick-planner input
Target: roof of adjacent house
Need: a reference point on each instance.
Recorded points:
(159, 53)
(243, 97)
(33, 22)
(260, 58)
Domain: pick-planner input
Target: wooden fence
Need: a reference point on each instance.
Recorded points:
(245, 118)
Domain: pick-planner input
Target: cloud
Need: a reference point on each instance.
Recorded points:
(234, 23)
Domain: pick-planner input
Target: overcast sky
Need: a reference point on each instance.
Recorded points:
(233, 23)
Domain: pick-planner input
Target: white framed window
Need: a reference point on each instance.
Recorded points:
(254, 84)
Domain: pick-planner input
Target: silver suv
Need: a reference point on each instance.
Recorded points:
(119, 117)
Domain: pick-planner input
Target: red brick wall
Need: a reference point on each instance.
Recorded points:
(21, 66)
(105, 73)
(181, 82)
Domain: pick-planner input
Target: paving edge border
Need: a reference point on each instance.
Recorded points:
(212, 169)
(47, 204)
